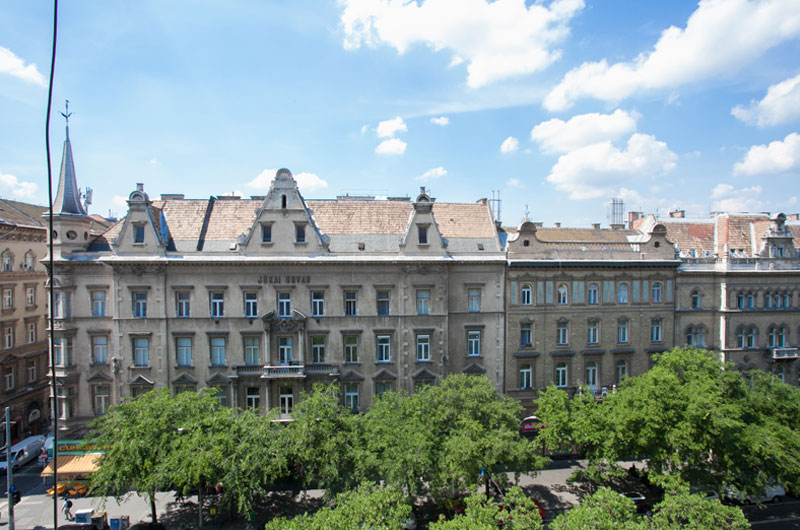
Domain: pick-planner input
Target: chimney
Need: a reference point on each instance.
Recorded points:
(139, 186)
(677, 214)
(596, 226)
(633, 216)
(558, 225)
(172, 196)
(712, 215)
(793, 216)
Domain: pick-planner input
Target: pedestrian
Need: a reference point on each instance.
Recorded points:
(68, 509)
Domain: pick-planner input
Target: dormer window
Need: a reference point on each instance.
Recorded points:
(299, 233)
(283, 202)
(422, 233)
(138, 233)
(266, 233)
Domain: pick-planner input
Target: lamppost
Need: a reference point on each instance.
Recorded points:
(9, 472)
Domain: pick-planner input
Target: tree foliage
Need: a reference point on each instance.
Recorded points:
(516, 511)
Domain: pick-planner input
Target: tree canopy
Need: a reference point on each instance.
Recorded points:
(516, 511)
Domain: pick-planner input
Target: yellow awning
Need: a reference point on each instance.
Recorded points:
(73, 465)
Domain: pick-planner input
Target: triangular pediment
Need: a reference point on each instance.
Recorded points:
(144, 230)
(284, 224)
(384, 375)
(422, 234)
(184, 379)
(98, 377)
(351, 375)
(474, 369)
(142, 381)
(218, 379)
(424, 374)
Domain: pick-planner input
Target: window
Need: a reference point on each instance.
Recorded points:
(563, 295)
(299, 233)
(138, 233)
(695, 336)
(422, 232)
(740, 301)
(102, 396)
(139, 305)
(286, 397)
(183, 347)
(317, 304)
(252, 399)
(266, 233)
(8, 298)
(9, 337)
(787, 300)
(100, 349)
(31, 332)
(751, 300)
(218, 351)
(63, 351)
(66, 397)
(525, 294)
(593, 294)
(383, 303)
(525, 334)
(474, 343)
(381, 387)
(9, 378)
(222, 396)
(622, 294)
(61, 305)
(740, 338)
(778, 300)
(423, 348)
(782, 337)
(30, 261)
(351, 348)
(351, 396)
(751, 338)
(525, 377)
(696, 299)
(30, 296)
(141, 352)
(474, 300)
(31, 370)
(767, 300)
(561, 375)
(593, 332)
(217, 300)
(251, 305)
(656, 293)
(776, 337)
(350, 306)
(7, 262)
(384, 353)
(622, 331)
(622, 370)
(252, 347)
(139, 390)
(655, 330)
(182, 307)
(318, 348)
(98, 303)
(423, 302)
(284, 350)
(562, 333)
(591, 376)
(284, 305)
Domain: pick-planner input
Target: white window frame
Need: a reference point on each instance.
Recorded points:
(474, 300)
(32, 370)
(141, 351)
(32, 332)
(525, 377)
(252, 350)
(317, 303)
(562, 333)
(99, 349)
(9, 378)
(562, 375)
(622, 293)
(351, 396)
(474, 343)
(593, 296)
(252, 400)
(139, 304)
(318, 346)
(30, 296)
(591, 376)
(216, 304)
(286, 400)
(350, 348)
(284, 304)
(623, 328)
(526, 295)
(250, 304)
(384, 348)
(285, 351)
(655, 330)
(423, 347)
(621, 368)
(525, 331)
(593, 332)
(183, 351)
(351, 303)
(423, 302)
(8, 298)
(9, 336)
(183, 307)
(383, 299)
(219, 353)
(98, 303)
(562, 294)
(101, 401)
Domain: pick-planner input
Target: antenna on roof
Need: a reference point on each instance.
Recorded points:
(527, 213)
(616, 211)
(87, 198)
(496, 205)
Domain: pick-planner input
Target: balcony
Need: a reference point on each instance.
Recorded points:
(248, 370)
(785, 353)
(294, 371)
(329, 369)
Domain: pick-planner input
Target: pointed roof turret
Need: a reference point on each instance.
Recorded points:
(68, 197)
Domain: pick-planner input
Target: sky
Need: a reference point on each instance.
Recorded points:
(555, 107)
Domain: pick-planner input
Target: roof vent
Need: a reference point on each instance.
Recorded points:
(139, 186)
(596, 226)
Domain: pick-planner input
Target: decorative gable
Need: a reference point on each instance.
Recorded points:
(422, 234)
(284, 224)
(144, 229)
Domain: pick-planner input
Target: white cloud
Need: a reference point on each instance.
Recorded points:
(558, 136)
(780, 105)
(509, 145)
(720, 38)
(15, 66)
(120, 202)
(601, 169)
(388, 128)
(729, 199)
(514, 183)
(364, 128)
(393, 146)
(433, 173)
(776, 157)
(442, 120)
(153, 162)
(305, 181)
(16, 187)
(497, 39)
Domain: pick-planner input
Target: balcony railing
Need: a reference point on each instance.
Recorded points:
(284, 372)
(248, 369)
(785, 353)
(322, 369)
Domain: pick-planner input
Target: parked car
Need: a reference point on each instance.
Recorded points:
(772, 493)
(22, 453)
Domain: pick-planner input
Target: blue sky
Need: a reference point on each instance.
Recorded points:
(558, 106)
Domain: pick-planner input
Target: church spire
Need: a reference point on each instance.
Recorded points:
(68, 197)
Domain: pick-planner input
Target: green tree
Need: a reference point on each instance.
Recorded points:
(516, 511)
(683, 510)
(368, 506)
(137, 437)
(603, 510)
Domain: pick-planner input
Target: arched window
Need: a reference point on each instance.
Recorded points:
(622, 332)
(563, 294)
(751, 300)
(8, 261)
(778, 299)
(750, 338)
(525, 377)
(526, 294)
(622, 294)
(283, 202)
(772, 337)
(622, 370)
(591, 376)
(740, 300)
(696, 297)
(782, 336)
(594, 298)
(656, 292)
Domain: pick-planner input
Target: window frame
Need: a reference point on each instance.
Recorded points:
(318, 348)
(139, 300)
(182, 351)
(623, 331)
(474, 300)
(526, 294)
(562, 333)
(383, 348)
(656, 292)
(317, 303)
(593, 331)
(284, 304)
(99, 300)
(183, 306)
(562, 375)
(251, 348)
(250, 299)
(423, 302)
(216, 304)
(350, 298)
(593, 294)
(474, 342)
(141, 352)
(350, 345)
(218, 350)
(423, 347)
(99, 350)
(383, 305)
(526, 376)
